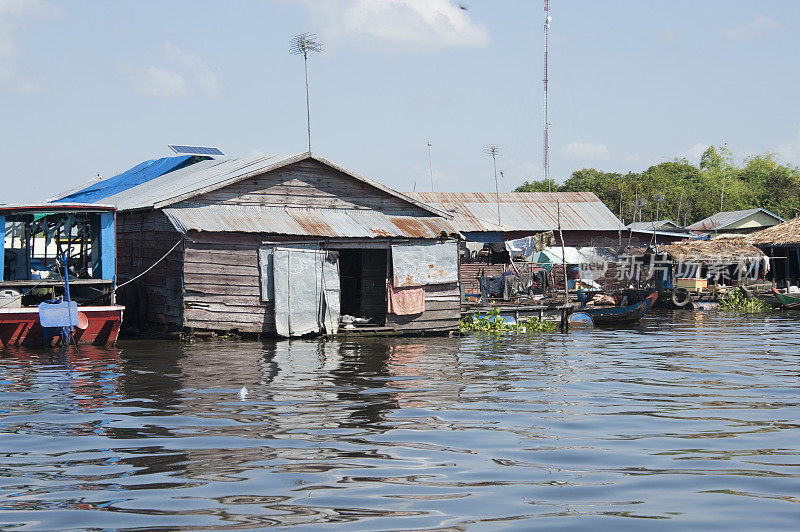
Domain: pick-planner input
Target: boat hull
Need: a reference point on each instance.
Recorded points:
(787, 301)
(20, 326)
(621, 315)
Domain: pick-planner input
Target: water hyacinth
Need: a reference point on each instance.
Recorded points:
(739, 302)
(494, 323)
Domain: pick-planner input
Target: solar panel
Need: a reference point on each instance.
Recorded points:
(195, 150)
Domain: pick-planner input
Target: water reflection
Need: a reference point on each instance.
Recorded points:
(688, 418)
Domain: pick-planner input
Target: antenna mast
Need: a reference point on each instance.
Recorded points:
(494, 151)
(301, 45)
(546, 139)
(430, 163)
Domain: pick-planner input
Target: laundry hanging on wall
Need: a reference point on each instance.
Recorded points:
(405, 301)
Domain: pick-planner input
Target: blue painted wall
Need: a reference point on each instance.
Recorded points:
(108, 246)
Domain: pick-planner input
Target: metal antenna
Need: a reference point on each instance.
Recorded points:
(546, 139)
(302, 44)
(494, 151)
(430, 163)
(724, 168)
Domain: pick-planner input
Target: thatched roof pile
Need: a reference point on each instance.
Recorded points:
(785, 234)
(731, 249)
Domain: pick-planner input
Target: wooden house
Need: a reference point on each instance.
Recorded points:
(486, 218)
(279, 245)
(737, 222)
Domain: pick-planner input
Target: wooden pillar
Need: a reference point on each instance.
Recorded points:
(27, 232)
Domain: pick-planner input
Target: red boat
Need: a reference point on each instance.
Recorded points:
(20, 326)
(43, 243)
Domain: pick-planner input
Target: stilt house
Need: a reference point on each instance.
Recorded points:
(278, 245)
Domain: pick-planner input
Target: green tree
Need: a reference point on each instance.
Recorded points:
(541, 185)
(687, 193)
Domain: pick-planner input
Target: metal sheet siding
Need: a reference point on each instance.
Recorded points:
(424, 264)
(523, 211)
(338, 223)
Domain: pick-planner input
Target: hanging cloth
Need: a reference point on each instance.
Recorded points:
(405, 301)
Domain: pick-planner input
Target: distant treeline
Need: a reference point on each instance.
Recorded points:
(686, 193)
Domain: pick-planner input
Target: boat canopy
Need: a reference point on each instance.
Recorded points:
(36, 236)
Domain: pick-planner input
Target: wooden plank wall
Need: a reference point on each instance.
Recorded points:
(222, 283)
(142, 239)
(222, 289)
(307, 184)
(442, 311)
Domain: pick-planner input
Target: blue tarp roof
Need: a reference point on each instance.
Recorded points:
(141, 173)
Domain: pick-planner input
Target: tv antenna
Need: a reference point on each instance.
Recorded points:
(301, 45)
(546, 138)
(494, 151)
(430, 163)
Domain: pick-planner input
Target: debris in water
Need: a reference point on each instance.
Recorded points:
(243, 393)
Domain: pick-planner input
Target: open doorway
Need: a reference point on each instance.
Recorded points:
(362, 274)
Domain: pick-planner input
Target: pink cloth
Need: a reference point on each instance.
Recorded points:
(405, 301)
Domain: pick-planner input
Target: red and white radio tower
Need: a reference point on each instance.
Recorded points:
(546, 158)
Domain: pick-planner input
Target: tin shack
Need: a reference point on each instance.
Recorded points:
(489, 221)
(278, 245)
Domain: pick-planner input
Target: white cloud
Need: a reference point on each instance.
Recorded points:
(523, 171)
(754, 28)
(419, 22)
(205, 76)
(694, 153)
(583, 151)
(156, 82)
(634, 159)
(790, 151)
(13, 77)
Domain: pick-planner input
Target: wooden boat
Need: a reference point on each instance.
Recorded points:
(619, 315)
(83, 238)
(787, 301)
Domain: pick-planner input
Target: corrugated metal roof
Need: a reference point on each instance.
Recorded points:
(648, 226)
(523, 211)
(722, 219)
(206, 176)
(141, 173)
(306, 222)
(199, 176)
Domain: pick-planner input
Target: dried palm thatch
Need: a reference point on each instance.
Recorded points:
(785, 234)
(729, 249)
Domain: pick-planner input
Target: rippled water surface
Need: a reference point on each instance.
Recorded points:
(683, 421)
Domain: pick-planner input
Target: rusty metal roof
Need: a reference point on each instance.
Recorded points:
(523, 211)
(330, 223)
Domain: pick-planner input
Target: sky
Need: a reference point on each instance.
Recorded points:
(95, 87)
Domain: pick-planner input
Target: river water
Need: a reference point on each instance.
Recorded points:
(686, 420)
